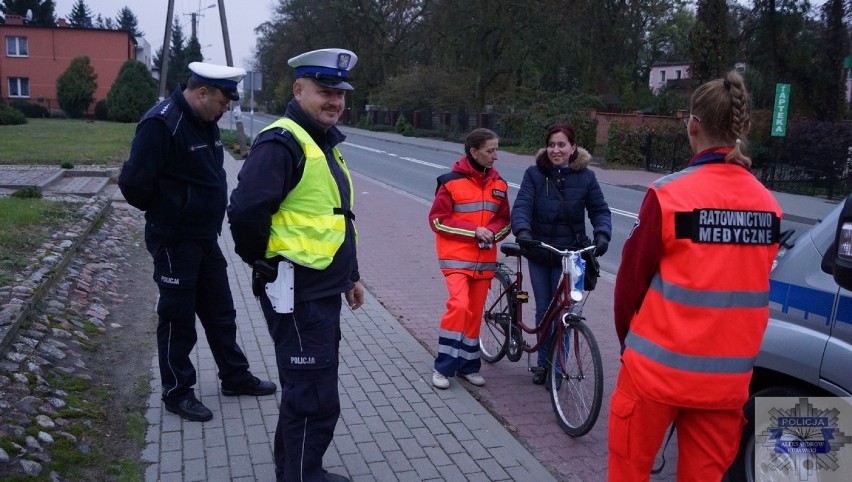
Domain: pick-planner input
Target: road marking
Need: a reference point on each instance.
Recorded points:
(444, 168)
(624, 213)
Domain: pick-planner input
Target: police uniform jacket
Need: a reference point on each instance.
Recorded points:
(175, 172)
(270, 172)
(552, 202)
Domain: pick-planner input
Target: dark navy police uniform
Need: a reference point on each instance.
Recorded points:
(175, 174)
(307, 340)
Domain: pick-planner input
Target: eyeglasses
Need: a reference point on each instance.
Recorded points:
(686, 119)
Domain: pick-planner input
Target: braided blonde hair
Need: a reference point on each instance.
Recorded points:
(724, 107)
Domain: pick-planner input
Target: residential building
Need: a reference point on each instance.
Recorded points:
(35, 56)
(663, 73)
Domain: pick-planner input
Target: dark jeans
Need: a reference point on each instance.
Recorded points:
(307, 343)
(192, 277)
(544, 279)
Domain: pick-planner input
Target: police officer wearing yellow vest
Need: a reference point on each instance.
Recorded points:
(291, 218)
(692, 298)
(175, 174)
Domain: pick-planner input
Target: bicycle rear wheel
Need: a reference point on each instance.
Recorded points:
(575, 378)
(496, 318)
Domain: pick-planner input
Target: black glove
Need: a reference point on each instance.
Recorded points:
(601, 245)
(524, 239)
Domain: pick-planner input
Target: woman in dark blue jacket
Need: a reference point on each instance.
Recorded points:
(551, 205)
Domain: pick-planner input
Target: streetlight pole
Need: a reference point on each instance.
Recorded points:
(164, 67)
(241, 135)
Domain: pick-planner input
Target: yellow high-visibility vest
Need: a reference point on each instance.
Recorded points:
(310, 224)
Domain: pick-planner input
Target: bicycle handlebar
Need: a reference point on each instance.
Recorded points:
(532, 243)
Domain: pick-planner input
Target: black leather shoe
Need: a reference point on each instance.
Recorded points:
(254, 387)
(539, 375)
(190, 409)
(329, 477)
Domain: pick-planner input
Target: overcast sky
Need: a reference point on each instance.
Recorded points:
(242, 18)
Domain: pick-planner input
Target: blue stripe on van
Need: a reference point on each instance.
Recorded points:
(805, 299)
(844, 310)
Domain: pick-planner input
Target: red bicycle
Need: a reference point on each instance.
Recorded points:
(574, 366)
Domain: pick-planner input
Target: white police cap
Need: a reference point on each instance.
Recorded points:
(223, 77)
(328, 67)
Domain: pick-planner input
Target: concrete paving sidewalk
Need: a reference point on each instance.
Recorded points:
(394, 425)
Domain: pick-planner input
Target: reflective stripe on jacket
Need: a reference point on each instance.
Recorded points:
(310, 224)
(697, 333)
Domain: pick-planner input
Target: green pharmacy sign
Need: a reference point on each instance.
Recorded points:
(779, 113)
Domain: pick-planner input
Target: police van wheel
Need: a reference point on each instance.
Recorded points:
(743, 467)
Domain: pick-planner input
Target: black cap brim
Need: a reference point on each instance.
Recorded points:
(333, 84)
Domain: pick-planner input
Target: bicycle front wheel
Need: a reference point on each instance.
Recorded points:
(576, 378)
(496, 319)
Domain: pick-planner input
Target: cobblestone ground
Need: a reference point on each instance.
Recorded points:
(74, 382)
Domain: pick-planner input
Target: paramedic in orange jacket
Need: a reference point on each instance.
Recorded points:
(692, 298)
(470, 215)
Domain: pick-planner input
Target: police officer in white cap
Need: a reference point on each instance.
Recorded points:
(292, 210)
(175, 174)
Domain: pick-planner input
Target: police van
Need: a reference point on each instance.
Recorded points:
(807, 348)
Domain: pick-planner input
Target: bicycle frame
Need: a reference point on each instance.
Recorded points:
(574, 371)
(561, 301)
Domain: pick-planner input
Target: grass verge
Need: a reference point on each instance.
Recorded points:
(26, 224)
(54, 141)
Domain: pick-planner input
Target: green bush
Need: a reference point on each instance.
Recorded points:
(624, 146)
(132, 94)
(29, 109)
(66, 165)
(10, 116)
(28, 192)
(101, 110)
(402, 126)
(75, 88)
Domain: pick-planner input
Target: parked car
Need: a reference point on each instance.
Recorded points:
(807, 348)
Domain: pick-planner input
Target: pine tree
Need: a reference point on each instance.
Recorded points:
(178, 70)
(709, 41)
(126, 20)
(75, 88)
(80, 16)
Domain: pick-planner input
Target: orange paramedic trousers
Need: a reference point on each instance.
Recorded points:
(707, 440)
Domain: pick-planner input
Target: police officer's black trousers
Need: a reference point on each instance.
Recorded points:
(193, 280)
(306, 349)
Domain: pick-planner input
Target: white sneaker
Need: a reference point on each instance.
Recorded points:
(473, 378)
(439, 380)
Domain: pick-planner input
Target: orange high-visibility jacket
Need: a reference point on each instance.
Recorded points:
(466, 199)
(694, 340)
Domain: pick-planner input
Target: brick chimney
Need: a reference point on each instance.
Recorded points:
(61, 22)
(14, 20)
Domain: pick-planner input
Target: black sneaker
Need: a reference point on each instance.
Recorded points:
(190, 409)
(329, 477)
(539, 375)
(254, 387)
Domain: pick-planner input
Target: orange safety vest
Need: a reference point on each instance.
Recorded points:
(476, 204)
(695, 338)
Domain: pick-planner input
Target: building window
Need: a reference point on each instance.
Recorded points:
(19, 87)
(662, 76)
(16, 47)
(677, 74)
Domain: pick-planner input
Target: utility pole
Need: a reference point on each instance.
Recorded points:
(241, 135)
(194, 17)
(164, 68)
